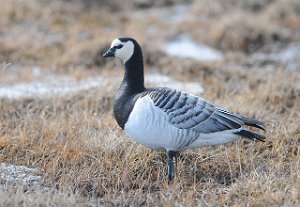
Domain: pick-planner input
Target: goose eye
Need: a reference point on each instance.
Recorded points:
(118, 46)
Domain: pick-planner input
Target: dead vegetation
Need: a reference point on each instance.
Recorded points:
(87, 160)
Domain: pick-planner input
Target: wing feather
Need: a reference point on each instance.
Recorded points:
(186, 111)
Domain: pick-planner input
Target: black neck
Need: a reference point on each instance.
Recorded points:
(133, 81)
(132, 85)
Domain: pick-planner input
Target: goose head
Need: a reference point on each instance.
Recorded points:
(122, 48)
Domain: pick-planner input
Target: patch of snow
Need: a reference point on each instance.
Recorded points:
(60, 85)
(10, 173)
(160, 80)
(36, 71)
(288, 55)
(53, 85)
(185, 47)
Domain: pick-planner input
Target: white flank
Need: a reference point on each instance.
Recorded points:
(215, 138)
(149, 126)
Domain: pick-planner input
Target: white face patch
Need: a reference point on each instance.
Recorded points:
(125, 52)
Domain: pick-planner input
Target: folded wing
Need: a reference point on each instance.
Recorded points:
(186, 111)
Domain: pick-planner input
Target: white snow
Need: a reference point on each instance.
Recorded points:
(159, 80)
(185, 47)
(51, 86)
(14, 173)
(288, 55)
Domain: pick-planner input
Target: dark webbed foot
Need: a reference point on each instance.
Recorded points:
(172, 158)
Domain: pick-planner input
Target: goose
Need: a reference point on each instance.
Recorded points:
(168, 119)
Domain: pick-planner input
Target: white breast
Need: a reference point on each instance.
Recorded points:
(148, 125)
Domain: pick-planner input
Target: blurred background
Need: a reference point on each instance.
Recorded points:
(60, 144)
(42, 40)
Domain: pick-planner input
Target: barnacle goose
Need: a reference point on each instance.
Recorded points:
(169, 119)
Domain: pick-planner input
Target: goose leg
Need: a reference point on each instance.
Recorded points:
(172, 158)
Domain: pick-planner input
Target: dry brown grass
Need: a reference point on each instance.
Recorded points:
(88, 161)
(77, 144)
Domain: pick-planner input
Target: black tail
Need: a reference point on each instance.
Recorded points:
(253, 122)
(251, 135)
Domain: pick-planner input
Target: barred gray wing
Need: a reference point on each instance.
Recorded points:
(186, 111)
